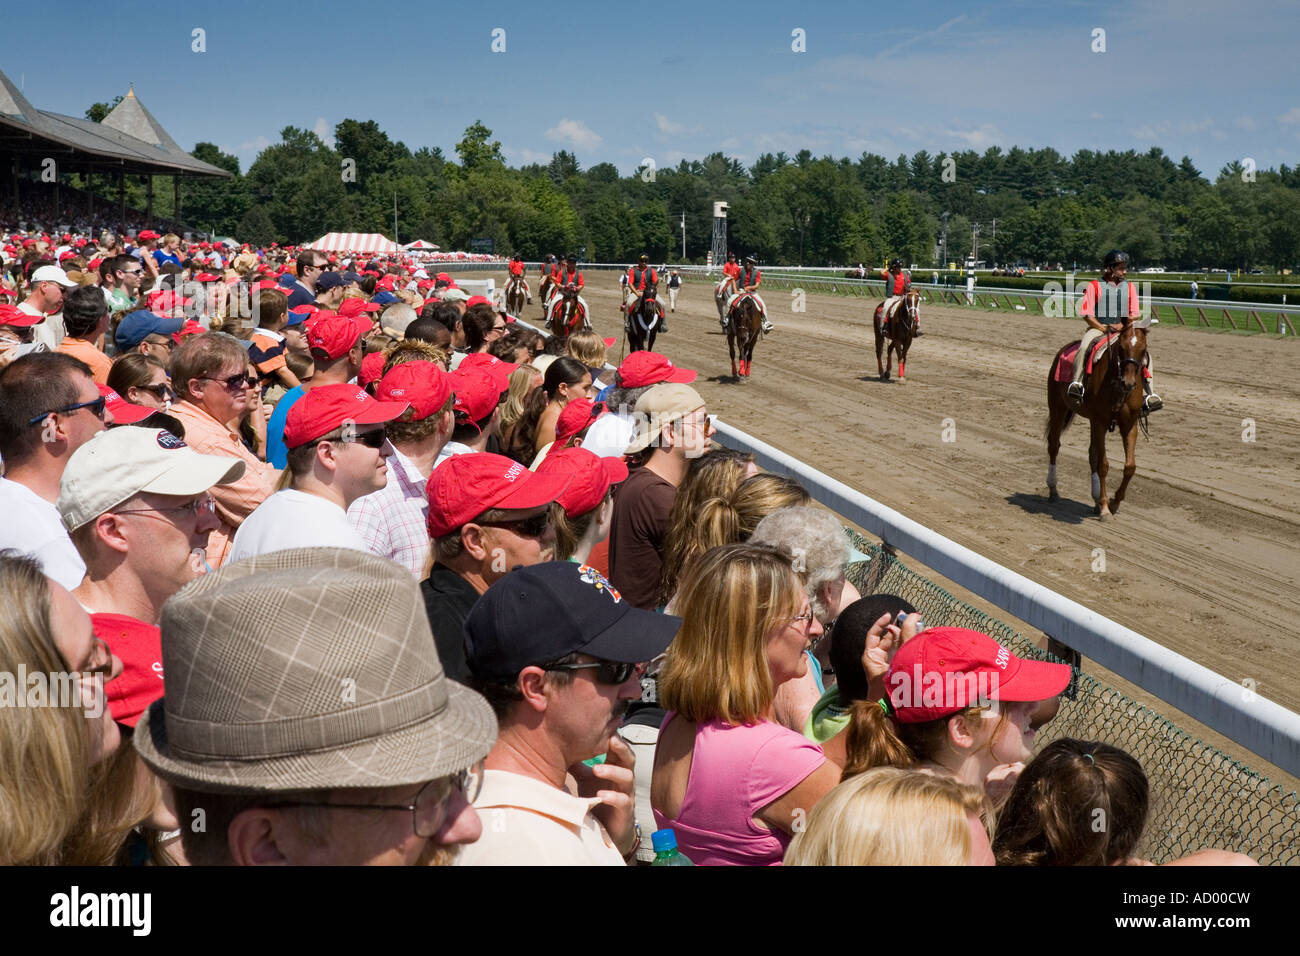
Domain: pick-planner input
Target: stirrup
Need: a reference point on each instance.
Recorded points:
(1153, 403)
(918, 333)
(1074, 394)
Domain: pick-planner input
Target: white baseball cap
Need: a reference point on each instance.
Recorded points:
(454, 295)
(52, 274)
(123, 462)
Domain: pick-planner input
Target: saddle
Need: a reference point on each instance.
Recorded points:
(1064, 371)
(741, 297)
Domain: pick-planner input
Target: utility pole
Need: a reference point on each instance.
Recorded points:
(394, 215)
(994, 237)
(683, 235)
(975, 242)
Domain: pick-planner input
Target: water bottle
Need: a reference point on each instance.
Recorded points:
(666, 852)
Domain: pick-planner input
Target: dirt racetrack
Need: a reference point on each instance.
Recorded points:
(1204, 555)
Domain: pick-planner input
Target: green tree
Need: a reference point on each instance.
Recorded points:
(477, 148)
(98, 111)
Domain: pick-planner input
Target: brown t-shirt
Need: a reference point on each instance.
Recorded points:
(636, 538)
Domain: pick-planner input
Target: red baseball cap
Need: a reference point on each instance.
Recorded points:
(577, 415)
(124, 412)
(477, 393)
(166, 299)
(590, 477)
(190, 327)
(651, 368)
(609, 342)
(335, 334)
(477, 300)
(147, 234)
(946, 669)
(207, 277)
(372, 368)
(465, 486)
(327, 407)
(423, 384)
(12, 315)
(355, 306)
(139, 646)
(499, 369)
(268, 284)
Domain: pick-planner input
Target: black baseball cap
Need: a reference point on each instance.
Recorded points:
(541, 613)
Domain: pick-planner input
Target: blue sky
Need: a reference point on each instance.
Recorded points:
(674, 80)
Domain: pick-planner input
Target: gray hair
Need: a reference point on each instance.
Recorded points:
(816, 541)
(397, 316)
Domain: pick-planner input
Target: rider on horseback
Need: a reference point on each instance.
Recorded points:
(748, 280)
(1104, 309)
(639, 277)
(516, 270)
(897, 285)
(727, 287)
(570, 277)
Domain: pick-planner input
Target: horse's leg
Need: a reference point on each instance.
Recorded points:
(1129, 432)
(902, 362)
(1100, 467)
(1055, 408)
(880, 365)
(731, 350)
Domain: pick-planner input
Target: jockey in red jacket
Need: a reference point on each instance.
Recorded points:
(1104, 309)
(570, 274)
(897, 284)
(638, 277)
(748, 280)
(516, 270)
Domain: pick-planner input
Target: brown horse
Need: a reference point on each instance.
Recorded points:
(566, 313)
(642, 323)
(515, 295)
(899, 330)
(743, 331)
(1113, 398)
(545, 289)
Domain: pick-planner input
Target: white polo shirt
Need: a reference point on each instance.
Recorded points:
(294, 519)
(527, 822)
(32, 526)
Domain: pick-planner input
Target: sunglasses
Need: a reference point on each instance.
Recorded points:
(371, 439)
(234, 383)
(533, 527)
(607, 672)
(96, 407)
(161, 392)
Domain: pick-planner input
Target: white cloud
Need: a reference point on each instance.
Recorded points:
(942, 28)
(1096, 116)
(668, 126)
(324, 131)
(1290, 116)
(982, 137)
(526, 157)
(255, 145)
(574, 132)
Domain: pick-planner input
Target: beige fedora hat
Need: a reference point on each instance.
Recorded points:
(307, 669)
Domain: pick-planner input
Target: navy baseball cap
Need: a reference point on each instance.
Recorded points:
(384, 298)
(350, 277)
(330, 280)
(133, 328)
(541, 613)
(286, 281)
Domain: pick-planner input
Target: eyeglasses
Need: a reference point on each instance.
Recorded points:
(429, 811)
(533, 527)
(206, 505)
(96, 407)
(806, 618)
(233, 383)
(607, 672)
(162, 392)
(374, 438)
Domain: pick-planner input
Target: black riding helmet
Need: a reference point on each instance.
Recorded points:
(1115, 258)
(571, 258)
(750, 260)
(895, 262)
(644, 258)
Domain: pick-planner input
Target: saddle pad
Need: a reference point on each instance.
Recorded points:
(1064, 371)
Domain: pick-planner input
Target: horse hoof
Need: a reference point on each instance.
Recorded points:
(1052, 495)
(1105, 516)
(902, 380)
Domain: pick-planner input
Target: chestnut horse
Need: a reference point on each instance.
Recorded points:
(743, 331)
(642, 323)
(898, 329)
(1113, 398)
(515, 295)
(566, 312)
(545, 289)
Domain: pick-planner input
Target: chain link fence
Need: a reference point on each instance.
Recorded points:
(1201, 798)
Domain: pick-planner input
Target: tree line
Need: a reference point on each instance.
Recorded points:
(1030, 205)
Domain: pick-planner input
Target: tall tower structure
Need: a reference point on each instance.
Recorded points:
(719, 248)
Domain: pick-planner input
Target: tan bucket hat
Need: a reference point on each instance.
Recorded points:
(307, 669)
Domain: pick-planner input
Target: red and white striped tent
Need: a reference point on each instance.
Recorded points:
(420, 245)
(368, 242)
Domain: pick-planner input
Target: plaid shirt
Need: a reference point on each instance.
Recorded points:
(393, 522)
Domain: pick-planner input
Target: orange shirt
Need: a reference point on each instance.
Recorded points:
(236, 501)
(99, 363)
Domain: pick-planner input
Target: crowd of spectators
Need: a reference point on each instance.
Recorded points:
(486, 599)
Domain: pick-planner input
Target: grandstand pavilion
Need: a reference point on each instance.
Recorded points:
(130, 141)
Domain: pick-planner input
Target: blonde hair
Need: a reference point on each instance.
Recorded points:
(413, 350)
(521, 383)
(44, 751)
(730, 600)
(891, 817)
(587, 347)
(760, 495)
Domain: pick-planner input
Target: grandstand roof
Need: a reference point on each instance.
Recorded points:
(130, 139)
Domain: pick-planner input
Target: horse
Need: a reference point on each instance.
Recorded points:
(721, 293)
(565, 312)
(743, 332)
(545, 289)
(642, 322)
(898, 329)
(515, 295)
(1113, 399)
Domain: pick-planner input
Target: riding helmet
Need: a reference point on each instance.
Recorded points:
(1114, 258)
